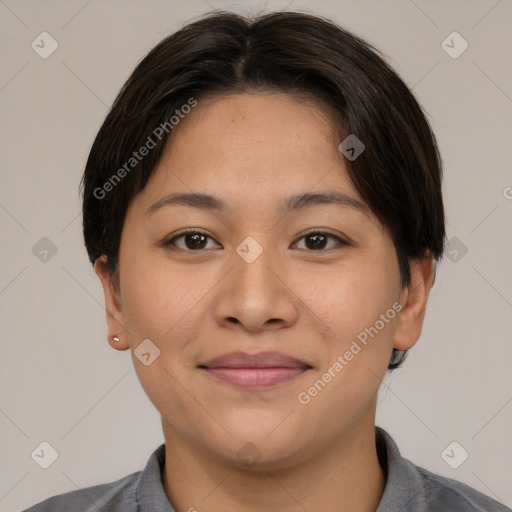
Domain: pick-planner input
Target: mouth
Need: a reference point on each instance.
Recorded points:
(255, 371)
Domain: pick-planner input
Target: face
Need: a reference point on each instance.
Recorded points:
(314, 279)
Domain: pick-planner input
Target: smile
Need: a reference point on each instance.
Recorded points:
(255, 377)
(255, 371)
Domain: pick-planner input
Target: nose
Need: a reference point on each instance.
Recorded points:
(256, 295)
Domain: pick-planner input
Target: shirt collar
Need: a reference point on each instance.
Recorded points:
(404, 487)
(403, 490)
(151, 496)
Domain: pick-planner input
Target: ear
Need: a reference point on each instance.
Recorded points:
(414, 303)
(115, 321)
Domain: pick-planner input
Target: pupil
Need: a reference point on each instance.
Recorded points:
(197, 237)
(318, 241)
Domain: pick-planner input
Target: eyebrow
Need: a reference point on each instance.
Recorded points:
(291, 204)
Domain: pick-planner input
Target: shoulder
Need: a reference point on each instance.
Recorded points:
(443, 494)
(118, 496)
(411, 487)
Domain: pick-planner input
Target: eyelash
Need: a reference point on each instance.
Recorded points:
(171, 241)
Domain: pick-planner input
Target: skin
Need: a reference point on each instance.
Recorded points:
(253, 151)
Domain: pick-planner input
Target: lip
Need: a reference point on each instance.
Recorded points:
(255, 371)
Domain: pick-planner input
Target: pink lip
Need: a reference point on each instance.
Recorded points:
(255, 370)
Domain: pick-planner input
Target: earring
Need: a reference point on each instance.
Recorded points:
(116, 338)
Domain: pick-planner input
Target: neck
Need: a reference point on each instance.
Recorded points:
(345, 477)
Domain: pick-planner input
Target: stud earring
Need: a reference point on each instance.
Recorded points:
(116, 338)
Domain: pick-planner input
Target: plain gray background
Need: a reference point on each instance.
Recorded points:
(62, 383)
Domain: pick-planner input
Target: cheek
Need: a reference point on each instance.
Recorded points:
(355, 303)
(361, 319)
(162, 305)
(349, 298)
(160, 300)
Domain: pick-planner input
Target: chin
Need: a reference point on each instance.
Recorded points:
(264, 456)
(261, 446)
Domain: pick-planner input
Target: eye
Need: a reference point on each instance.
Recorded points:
(193, 240)
(190, 240)
(319, 240)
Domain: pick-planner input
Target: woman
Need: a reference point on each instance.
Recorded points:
(263, 208)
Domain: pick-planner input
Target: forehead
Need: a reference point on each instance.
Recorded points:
(231, 123)
(253, 149)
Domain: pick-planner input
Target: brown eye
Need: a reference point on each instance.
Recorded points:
(195, 241)
(318, 241)
(190, 241)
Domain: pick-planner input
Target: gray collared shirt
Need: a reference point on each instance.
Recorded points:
(408, 488)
